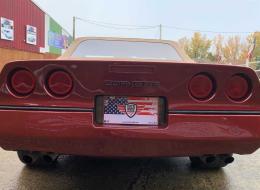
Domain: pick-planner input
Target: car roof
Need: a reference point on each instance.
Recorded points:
(74, 45)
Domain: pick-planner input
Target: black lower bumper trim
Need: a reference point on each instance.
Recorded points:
(69, 109)
(215, 112)
(34, 108)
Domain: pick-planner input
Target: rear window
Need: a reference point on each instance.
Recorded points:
(126, 49)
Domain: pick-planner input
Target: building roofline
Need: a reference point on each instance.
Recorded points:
(37, 5)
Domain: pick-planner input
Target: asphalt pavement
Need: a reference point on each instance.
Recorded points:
(72, 172)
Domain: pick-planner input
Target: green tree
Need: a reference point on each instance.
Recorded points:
(226, 50)
(232, 49)
(218, 43)
(197, 47)
(185, 44)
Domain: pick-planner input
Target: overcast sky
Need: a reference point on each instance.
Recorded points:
(208, 15)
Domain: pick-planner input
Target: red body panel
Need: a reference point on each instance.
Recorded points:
(193, 127)
(75, 133)
(23, 12)
(90, 78)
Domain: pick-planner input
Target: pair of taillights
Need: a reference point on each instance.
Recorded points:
(203, 87)
(22, 82)
(59, 83)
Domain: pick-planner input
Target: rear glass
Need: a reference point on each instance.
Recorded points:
(126, 49)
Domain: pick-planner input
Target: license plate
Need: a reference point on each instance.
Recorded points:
(130, 110)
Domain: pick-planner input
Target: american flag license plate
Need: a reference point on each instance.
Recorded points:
(131, 110)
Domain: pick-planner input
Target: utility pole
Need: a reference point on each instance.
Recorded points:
(74, 28)
(160, 26)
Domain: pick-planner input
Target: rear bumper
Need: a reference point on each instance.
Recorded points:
(75, 133)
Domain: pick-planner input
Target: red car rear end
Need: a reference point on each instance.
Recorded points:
(75, 107)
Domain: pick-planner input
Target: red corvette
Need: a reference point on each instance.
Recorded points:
(110, 97)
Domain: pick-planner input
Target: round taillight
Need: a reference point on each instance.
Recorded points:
(238, 88)
(22, 82)
(60, 83)
(201, 87)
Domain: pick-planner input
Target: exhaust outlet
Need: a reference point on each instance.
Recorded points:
(229, 160)
(49, 158)
(210, 159)
(37, 158)
(28, 158)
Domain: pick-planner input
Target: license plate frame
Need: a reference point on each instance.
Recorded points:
(135, 120)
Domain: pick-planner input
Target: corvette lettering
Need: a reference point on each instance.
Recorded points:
(132, 84)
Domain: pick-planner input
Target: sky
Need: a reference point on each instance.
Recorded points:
(206, 15)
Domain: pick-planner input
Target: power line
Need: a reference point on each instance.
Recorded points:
(122, 25)
(141, 27)
(117, 26)
(148, 27)
(206, 31)
(121, 28)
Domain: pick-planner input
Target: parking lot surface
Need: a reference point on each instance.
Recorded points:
(73, 172)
